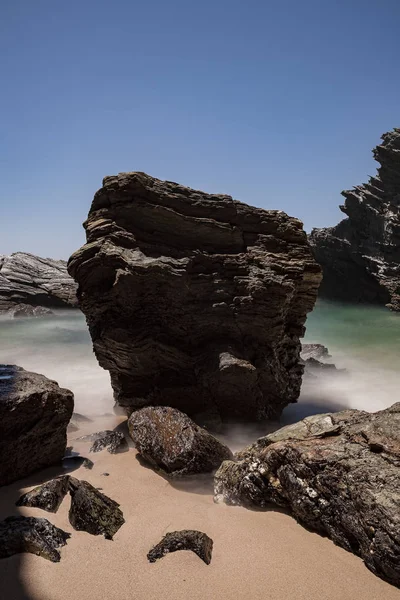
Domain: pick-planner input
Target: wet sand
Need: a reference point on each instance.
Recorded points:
(256, 555)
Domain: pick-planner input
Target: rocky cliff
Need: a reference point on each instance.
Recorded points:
(193, 300)
(360, 257)
(32, 281)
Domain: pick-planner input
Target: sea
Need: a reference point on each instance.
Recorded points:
(363, 341)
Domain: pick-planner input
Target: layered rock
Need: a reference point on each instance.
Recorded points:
(338, 473)
(28, 282)
(360, 257)
(193, 300)
(34, 415)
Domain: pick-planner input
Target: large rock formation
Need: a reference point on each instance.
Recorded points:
(193, 300)
(32, 281)
(34, 415)
(338, 473)
(360, 257)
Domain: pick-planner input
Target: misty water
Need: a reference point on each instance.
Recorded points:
(363, 340)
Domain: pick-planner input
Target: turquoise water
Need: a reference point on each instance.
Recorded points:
(369, 333)
(364, 340)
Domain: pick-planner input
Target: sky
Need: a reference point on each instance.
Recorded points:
(275, 103)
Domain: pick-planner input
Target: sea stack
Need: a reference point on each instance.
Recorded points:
(193, 300)
(360, 256)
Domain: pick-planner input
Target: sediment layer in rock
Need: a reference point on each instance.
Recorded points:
(360, 256)
(28, 281)
(193, 300)
(338, 473)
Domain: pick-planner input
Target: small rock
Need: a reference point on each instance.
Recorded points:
(47, 496)
(187, 539)
(26, 310)
(30, 534)
(93, 511)
(173, 443)
(73, 462)
(113, 441)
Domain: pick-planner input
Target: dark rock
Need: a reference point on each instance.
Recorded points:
(313, 356)
(29, 534)
(93, 511)
(173, 443)
(29, 285)
(360, 256)
(193, 300)
(74, 461)
(196, 541)
(114, 441)
(34, 414)
(338, 473)
(47, 496)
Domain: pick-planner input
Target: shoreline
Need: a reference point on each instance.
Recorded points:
(256, 555)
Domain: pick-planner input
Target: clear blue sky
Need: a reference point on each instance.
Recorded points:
(276, 103)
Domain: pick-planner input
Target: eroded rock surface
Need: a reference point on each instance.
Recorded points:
(360, 256)
(338, 473)
(187, 539)
(30, 534)
(173, 443)
(47, 496)
(34, 414)
(92, 511)
(194, 300)
(29, 285)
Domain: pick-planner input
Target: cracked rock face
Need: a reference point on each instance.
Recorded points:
(193, 300)
(30, 534)
(360, 256)
(34, 415)
(338, 473)
(30, 284)
(173, 443)
(187, 539)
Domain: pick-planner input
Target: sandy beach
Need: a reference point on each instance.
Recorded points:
(256, 555)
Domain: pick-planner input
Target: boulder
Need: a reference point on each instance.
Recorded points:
(34, 414)
(47, 496)
(338, 474)
(92, 511)
(173, 443)
(30, 534)
(193, 300)
(360, 256)
(187, 539)
(29, 282)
